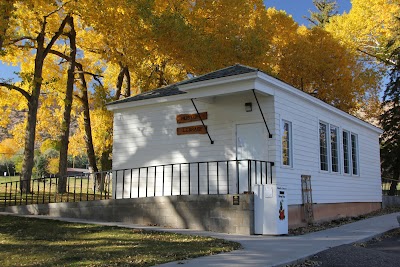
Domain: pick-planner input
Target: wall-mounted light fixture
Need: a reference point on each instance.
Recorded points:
(248, 107)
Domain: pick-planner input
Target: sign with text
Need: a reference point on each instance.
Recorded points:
(197, 129)
(183, 118)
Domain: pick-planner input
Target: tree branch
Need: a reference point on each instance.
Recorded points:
(16, 88)
(386, 61)
(56, 35)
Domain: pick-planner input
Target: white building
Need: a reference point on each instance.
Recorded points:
(249, 116)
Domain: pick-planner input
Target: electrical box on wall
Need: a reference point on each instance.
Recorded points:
(270, 209)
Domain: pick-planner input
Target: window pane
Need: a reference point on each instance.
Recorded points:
(323, 146)
(334, 149)
(346, 160)
(286, 142)
(354, 159)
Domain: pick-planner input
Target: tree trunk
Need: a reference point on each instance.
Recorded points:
(88, 132)
(33, 104)
(62, 169)
(128, 82)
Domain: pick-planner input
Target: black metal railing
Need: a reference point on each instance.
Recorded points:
(84, 187)
(390, 187)
(205, 177)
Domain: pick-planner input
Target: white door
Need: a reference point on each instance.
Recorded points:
(252, 145)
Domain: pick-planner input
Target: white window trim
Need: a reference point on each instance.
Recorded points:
(327, 146)
(330, 167)
(290, 143)
(357, 155)
(348, 151)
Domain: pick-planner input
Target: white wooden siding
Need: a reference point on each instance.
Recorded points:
(327, 187)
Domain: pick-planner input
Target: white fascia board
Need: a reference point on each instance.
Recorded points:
(218, 81)
(146, 102)
(271, 81)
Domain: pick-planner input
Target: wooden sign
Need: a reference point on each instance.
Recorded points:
(197, 129)
(183, 118)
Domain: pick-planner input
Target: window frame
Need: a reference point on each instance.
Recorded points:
(290, 142)
(331, 126)
(356, 155)
(346, 151)
(327, 156)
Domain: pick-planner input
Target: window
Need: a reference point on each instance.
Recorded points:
(334, 149)
(354, 154)
(323, 146)
(346, 153)
(286, 143)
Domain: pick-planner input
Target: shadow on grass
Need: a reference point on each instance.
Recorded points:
(36, 242)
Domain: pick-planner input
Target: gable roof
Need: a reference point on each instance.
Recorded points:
(174, 90)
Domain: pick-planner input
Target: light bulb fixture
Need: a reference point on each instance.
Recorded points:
(248, 106)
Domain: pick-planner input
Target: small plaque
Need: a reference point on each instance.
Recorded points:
(236, 200)
(197, 129)
(183, 118)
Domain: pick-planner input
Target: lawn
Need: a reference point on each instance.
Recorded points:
(35, 242)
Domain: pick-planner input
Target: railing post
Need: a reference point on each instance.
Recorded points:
(198, 178)
(16, 190)
(123, 183)
(172, 178)
(163, 180)
(130, 185)
(217, 178)
(44, 189)
(138, 186)
(208, 180)
(237, 177)
(155, 180)
(189, 177)
(147, 179)
(227, 176)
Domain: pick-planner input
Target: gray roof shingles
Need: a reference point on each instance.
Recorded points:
(173, 89)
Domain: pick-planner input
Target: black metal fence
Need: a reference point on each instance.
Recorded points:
(390, 187)
(84, 187)
(206, 177)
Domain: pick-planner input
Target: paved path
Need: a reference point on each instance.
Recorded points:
(269, 250)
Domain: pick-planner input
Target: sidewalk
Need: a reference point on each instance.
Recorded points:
(269, 250)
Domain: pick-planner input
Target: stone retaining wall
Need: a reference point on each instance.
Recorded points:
(390, 201)
(200, 212)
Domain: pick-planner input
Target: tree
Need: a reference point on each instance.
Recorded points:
(390, 119)
(42, 43)
(64, 139)
(325, 10)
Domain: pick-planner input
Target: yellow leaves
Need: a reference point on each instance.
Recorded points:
(8, 148)
(368, 25)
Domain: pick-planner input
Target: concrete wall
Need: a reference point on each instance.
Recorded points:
(390, 201)
(330, 211)
(200, 212)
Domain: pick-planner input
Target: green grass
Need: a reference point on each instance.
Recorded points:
(35, 242)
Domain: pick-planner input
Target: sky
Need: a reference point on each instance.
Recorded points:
(297, 8)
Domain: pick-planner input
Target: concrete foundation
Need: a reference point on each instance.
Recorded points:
(331, 211)
(215, 213)
(199, 212)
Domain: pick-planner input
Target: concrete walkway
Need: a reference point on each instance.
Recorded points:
(269, 250)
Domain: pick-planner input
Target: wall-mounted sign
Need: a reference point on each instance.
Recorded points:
(183, 118)
(197, 129)
(235, 200)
